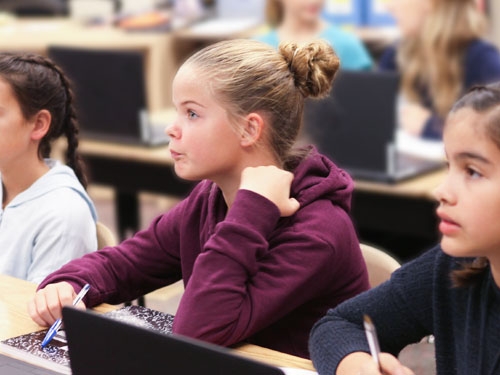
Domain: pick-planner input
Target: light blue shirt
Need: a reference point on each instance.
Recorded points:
(351, 51)
(47, 225)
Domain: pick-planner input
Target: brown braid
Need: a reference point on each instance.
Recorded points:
(37, 83)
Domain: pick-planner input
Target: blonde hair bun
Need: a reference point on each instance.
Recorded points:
(313, 66)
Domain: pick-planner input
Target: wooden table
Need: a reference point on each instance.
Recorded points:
(14, 318)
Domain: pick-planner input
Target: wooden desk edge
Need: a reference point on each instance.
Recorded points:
(23, 290)
(273, 357)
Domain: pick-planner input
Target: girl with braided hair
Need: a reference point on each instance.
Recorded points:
(46, 216)
(264, 243)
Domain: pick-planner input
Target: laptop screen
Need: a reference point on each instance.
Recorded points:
(109, 90)
(355, 124)
(101, 345)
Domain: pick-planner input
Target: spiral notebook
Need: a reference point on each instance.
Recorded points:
(55, 356)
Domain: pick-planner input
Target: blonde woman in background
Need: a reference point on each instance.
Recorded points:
(300, 21)
(441, 54)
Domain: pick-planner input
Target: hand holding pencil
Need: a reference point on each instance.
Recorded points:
(375, 363)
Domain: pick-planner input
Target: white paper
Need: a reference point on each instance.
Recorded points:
(429, 149)
(297, 371)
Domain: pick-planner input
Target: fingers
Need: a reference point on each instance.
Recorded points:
(45, 308)
(363, 364)
(292, 207)
(272, 183)
(391, 365)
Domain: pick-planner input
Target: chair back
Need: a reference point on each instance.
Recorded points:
(380, 264)
(104, 236)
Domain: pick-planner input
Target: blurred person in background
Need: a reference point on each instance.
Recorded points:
(442, 53)
(300, 21)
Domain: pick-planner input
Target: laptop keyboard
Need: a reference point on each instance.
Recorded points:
(12, 366)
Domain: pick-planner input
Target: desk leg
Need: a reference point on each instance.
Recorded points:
(127, 214)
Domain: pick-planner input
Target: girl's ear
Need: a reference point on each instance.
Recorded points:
(252, 131)
(41, 124)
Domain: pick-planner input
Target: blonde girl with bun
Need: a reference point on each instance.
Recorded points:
(264, 243)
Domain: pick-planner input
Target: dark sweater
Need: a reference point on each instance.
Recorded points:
(249, 274)
(481, 65)
(416, 302)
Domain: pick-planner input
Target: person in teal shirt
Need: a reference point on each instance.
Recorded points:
(301, 21)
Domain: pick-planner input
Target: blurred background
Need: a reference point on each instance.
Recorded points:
(122, 56)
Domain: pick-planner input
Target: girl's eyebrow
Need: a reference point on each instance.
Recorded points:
(187, 102)
(472, 155)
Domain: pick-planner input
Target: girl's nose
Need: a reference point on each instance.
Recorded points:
(443, 192)
(173, 130)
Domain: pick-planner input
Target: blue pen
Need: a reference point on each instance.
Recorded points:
(57, 324)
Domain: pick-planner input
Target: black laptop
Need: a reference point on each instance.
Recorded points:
(110, 94)
(356, 127)
(100, 345)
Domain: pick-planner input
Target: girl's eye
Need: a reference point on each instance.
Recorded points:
(473, 173)
(191, 114)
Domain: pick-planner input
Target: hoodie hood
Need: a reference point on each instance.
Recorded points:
(59, 176)
(317, 177)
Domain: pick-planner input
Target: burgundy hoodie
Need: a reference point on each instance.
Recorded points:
(249, 275)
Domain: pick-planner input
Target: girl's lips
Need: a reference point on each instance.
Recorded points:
(175, 155)
(447, 226)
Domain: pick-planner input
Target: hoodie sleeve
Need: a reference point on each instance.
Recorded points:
(137, 266)
(400, 308)
(251, 274)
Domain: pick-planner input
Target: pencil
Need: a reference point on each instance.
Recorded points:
(371, 336)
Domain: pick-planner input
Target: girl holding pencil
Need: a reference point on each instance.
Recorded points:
(451, 291)
(264, 243)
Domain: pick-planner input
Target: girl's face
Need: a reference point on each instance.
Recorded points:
(203, 144)
(15, 134)
(409, 15)
(303, 10)
(469, 197)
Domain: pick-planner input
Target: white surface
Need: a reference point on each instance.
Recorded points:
(428, 149)
(296, 371)
(222, 27)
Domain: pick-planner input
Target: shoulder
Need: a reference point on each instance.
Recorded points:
(193, 207)
(269, 37)
(433, 267)
(482, 63)
(387, 60)
(480, 46)
(65, 207)
(351, 50)
(481, 52)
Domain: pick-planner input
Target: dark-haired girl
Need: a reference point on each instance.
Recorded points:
(46, 217)
(451, 291)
